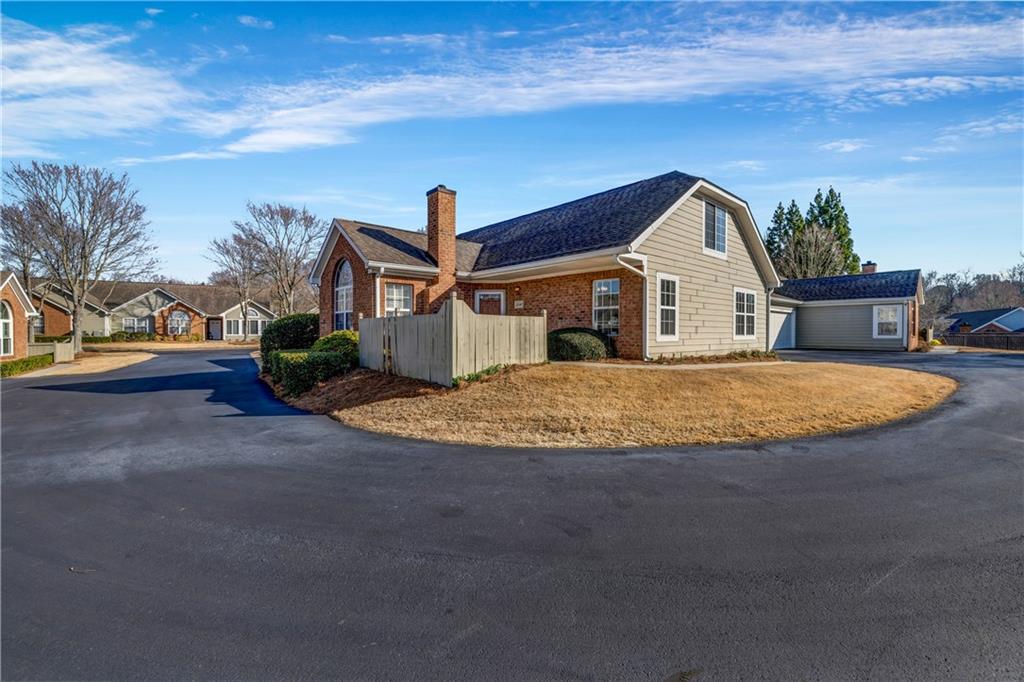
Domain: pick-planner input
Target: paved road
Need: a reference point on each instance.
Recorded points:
(216, 533)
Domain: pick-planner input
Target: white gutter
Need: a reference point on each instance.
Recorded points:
(643, 310)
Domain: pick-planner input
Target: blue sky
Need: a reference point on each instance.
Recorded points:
(913, 111)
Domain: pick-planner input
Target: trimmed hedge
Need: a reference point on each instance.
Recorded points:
(291, 331)
(345, 341)
(96, 339)
(299, 371)
(51, 339)
(579, 343)
(132, 336)
(22, 365)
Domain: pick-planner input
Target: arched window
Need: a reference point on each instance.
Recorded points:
(179, 322)
(6, 326)
(343, 296)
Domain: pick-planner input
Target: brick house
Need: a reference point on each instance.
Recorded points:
(16, 314)
(669, 265)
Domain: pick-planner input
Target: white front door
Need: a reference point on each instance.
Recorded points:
(782, 328)
(215, 334)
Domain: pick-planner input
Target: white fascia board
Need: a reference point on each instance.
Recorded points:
(705, 186)
(19, 291)
(248, 302)
(546, 263)
(147, 293)
(399, 268)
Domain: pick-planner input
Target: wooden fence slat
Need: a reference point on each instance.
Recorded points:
(453, 342)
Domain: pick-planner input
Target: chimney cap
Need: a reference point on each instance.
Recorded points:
(440, 188)
(869, 262)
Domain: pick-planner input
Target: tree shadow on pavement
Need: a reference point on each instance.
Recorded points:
(239, 387)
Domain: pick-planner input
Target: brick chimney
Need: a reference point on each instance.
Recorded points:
(869, 267)
(441, 240)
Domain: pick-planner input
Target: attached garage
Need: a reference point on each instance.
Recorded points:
(874, 311)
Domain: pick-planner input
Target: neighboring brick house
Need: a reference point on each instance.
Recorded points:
(175, 310)
(16, 314)
(669, 265)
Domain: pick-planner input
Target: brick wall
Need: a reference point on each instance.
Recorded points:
(441, 244)
(19, 324)
(362, 287)
(160, 320)
(569, 302)
(56, 322)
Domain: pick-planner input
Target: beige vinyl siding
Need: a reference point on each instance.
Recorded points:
(706, 284)
(91, 319)
(843, 327)
(142, 308)
(236, 314)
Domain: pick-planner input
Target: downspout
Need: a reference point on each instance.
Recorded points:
(768, 321)
(376, 291)
(643, 308)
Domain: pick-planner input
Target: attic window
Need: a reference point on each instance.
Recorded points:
(714, 229)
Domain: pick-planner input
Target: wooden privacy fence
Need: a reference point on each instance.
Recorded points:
(986, 340)
(451, 343)
(62, 352)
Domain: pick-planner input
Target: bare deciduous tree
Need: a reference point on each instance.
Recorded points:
(18, 242)
(89, 226)
(240, 267)
(287, 238)
(812, 252)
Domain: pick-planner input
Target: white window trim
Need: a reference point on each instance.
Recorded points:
(412, 296)
(227, 325)
(594, 307)
(659, 278)
(743, 337)
(724, 255)
(899, 322)
(7, 322)
(124, 324)
(479, 292)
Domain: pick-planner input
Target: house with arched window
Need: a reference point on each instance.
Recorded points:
(16, 315)
(194, 311)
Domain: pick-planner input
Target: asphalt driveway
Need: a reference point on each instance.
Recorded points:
(172, 519)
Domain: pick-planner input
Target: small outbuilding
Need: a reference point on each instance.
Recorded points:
(871, 311)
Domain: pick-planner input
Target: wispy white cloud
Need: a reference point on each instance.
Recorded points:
(183, 156)
(844, 146)
(910, 158)
(748, 165)
(144, 24)
(255, 22)
(153, 11)
(855, 63)
(77, 85)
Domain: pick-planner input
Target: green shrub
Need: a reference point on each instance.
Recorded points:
(51, 339)
(345, 341)
(291, 331)
(299, 371)
(121, 336)
(578, 343)
(96, 339)
(15, 367)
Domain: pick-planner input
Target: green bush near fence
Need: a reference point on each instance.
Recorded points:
(33, 362)
(579, 343)
(52, 339)
(345, 341)
(291, 331)
(299, 371)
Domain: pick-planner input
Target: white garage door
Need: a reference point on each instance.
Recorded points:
(782, 328)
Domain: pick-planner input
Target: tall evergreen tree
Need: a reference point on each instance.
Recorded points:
(827, 210)
(817, 210)
(776, 238)
(794, 220)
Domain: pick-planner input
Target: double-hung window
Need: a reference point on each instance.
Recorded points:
(397, 300)
(714, 229)
(606, 306)
(179, 323)
(887, 322)
(668, 307)
(135, 324)
(745, 314)
(233, 327)
(38, 323)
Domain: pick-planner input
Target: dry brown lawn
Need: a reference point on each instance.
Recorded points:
(93, 363)
(573, 406)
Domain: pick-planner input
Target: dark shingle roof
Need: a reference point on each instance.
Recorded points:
(208, 298)
(896, 284)
(403, 247)
(603, 220)
(976, 318)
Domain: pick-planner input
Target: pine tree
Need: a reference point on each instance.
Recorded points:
(776, 239)
(794, 220)
(828, 211)
(817, 210)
